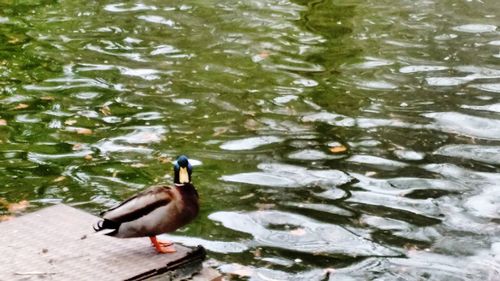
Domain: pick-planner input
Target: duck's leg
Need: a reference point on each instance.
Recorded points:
(162, 247)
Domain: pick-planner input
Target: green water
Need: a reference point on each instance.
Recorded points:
(97, 98)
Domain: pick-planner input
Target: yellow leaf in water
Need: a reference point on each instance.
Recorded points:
(370, 173)
(219, 131)
(47, 98)
(257, 253)
(70, 122)
(249, 113)
(250, 195)
(164, 159)
(58, 179)
(338, 149)
(3, 122)
(21, 106)
(77, 146)
(251, 124)
(105, 110)
(84, 131)
(88, 157)
(264, 54)
(13, 39)
(411, 248)
(18, 207)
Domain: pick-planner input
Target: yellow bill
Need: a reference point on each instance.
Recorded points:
(183, 175)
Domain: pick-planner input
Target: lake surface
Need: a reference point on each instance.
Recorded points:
(333, 140)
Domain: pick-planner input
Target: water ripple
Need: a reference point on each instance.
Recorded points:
(281, 175)
(213, 246)
(310, 236)
(157, 19)
(458, 123)
(475, 28)
(250, 143)
(426, 208)
(491, 87)
(487, 154)
(121, 7)
(342, 129)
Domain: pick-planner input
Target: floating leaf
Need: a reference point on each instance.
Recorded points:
(59, 179)
(257, 253)
(88, 157)
(21, 106)
(18, 207)
(105, 110)
(70, 122)
(165, 159)
(13, 39)
(3, 122)
(77, 146)
(370, 173)
(247, 196)
(251, 124)
(411, 247)
(264, 54)
(338, 149)
(219, 131)
(84, 131)
(47, 98)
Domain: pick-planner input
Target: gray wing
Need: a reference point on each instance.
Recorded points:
(140, 205)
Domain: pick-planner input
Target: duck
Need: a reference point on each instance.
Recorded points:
(156, 210)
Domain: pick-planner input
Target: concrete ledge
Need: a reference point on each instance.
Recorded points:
(58, 243)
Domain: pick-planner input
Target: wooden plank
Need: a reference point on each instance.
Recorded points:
(58, 243)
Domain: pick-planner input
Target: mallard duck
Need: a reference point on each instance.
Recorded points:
(159, 209)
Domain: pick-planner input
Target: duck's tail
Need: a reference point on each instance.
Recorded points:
(107, 225)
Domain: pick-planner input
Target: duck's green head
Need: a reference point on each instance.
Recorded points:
(182, 170)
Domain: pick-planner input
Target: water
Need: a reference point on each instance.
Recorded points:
(333, 140)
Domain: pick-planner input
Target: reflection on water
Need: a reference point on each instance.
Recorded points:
(333, 140)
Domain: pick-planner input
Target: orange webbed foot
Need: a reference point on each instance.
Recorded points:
(165, 243)
(162, 247)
